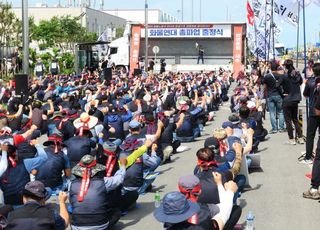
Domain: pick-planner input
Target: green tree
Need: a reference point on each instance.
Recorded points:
(7, 24)
(119, 32)
(62, 32)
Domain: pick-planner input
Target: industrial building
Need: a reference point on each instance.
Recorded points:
(94, 20)
(138, 15)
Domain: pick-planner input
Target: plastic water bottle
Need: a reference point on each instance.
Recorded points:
(250, 218)
(157, 200)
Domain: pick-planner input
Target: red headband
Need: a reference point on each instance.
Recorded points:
(191, 194)
(205, 165)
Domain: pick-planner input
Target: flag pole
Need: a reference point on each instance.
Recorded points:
(265, 32)
(305, 50)
(298, 35)
(272, 29)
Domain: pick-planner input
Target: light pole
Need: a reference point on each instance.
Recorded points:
(146, 35)
(182, 10)
(25, 35)
(192, 6)
(200, 10)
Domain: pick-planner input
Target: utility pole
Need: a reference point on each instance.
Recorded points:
(192, 6)
(182, 19)
(146, 35)
(25, 36)
(200, 10)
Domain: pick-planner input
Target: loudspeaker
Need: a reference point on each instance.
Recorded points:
(137, 72)
(22, 84)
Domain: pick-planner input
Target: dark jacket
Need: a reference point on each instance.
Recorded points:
(31, 216)
(291, 86)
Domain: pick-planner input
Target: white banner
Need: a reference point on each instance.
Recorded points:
(262, 19)
(188, 31)
(286, 10)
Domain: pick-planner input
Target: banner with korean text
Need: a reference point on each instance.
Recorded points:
(286, 10)
(188, 31)
(237, 50)
(135, 48)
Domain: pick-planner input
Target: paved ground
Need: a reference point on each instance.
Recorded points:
(276, 194)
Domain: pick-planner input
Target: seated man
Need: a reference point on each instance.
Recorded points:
(50, 173)
(34, 214)
(96, 200)
(183, 212)
(15, 172)
(191, 188)
(207, 165)
(189, 129)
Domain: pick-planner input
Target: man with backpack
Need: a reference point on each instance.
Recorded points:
(273, 90)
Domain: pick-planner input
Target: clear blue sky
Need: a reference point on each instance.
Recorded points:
(212, 11)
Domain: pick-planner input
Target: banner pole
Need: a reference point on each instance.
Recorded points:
(265, 31)
(298, 35)
(272, 29)
(305, 50)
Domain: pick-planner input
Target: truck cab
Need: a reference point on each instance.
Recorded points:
(119, 51)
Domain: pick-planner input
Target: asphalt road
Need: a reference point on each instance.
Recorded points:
(275, 197)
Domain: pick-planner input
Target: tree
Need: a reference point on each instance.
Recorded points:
(7, 24)
(119, 32)
(62, 32)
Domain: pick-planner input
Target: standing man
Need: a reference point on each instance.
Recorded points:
(54, 67)
(151, 65)
(39, 69)
(292, 97)
(107, 66)
(273, 91)
(313, 124)
(163, 65)
(200, 54)
(311, 92)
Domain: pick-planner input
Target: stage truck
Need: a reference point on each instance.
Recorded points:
(178, 44)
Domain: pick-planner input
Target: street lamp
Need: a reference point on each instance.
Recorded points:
(192, 9)
(25, 36)
(146, 35)
(182, 10)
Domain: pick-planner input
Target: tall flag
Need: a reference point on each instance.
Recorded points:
(250, 14)
(286, 10)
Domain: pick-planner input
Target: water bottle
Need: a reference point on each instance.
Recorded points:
(157, 200)
(250, 218)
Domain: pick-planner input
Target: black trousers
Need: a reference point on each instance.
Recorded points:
(128, 199)
(234, 218)
(200, 57)
(312, 126)
(290, 113)
(315, 180)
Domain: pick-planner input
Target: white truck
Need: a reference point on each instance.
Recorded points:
(119, 49)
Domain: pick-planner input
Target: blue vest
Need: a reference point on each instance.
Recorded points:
(134, 174)
(77, 147)
(13, 182)
(95, 208)
(50, 172)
